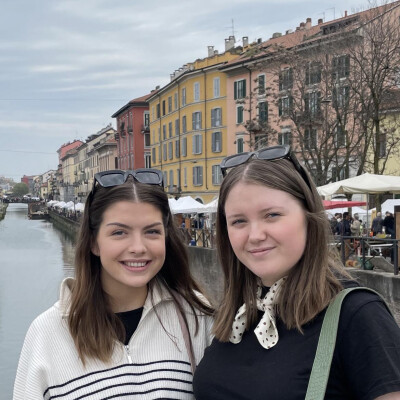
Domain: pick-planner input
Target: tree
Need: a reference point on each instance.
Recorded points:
(20, 189)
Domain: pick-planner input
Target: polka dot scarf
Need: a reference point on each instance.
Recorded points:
(266, 331)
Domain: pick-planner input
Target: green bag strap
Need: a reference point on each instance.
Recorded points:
(326, 346)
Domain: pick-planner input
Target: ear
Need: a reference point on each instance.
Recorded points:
(95, 249)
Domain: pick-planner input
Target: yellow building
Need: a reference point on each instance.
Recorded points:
(188, 126)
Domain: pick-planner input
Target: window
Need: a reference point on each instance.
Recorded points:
(216, 175)
(286, 79)
(263, 111)
(196, 91)
(260, 141)
(146, 139)
(164, 132)
(163, 107)
(177, 148)
(382, 145)
(312, 103)
(184, 129)
(216, 87)
(239, 145)
(171, 179)
(183, 97)
(310, 139)
(158, 110)
(175, 100)
(216, 117)
(337, 173)
(185, 176)
(313, 73)
(154, 136)
(170, 150)
(159, 154)
(177, 127)
(153, 154)
(239, 114)
(147, 161)
(197, 144)
(184, 147)
(159, 134)
(285, 137)
(340, 67)
(340, 136)
(340, 96)
(197, 176)
(165, 176)
(165, 151)
(261, 84)
(216, 145)
(169, 104)
(196, 120)
(170, 129)
(239, 89)
(285, 106)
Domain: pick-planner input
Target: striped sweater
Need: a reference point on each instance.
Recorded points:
(154, 365)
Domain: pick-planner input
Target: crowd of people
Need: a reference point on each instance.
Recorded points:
(135, 324)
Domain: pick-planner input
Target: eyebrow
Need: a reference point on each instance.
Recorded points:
(119, 224)
(274, 208)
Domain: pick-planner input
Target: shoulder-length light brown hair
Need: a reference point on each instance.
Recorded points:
(310, 285)
(93, 326)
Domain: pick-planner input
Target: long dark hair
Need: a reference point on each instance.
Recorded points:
(310, 285)
(93, 325)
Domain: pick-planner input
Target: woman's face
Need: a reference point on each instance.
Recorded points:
(131, 247)
(267, 230)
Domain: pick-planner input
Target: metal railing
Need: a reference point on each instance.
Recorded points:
(367, 248)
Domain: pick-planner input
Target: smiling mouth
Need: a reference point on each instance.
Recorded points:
(132, 264)
(257, 251)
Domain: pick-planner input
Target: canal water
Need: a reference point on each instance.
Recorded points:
(34, 258)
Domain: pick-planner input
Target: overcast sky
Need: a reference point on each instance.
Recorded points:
(67, 65)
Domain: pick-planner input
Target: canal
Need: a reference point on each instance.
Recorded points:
(34, 258)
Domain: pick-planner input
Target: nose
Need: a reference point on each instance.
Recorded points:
(257, 232)
(137, 245)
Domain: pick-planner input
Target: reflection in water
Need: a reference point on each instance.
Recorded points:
(34, 259)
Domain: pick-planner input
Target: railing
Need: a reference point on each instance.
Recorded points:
(367, 248)
(198, 237)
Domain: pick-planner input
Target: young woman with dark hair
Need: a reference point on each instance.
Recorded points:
(280, 275)
(133, 322)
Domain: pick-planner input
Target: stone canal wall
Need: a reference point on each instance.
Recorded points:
(3, 209)
(205, 267)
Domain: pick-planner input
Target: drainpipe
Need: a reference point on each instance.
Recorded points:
(179, 139)
(250, 100)
(205, 127)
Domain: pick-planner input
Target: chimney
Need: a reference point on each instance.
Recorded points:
(259, 40)
(320, 21)
(345, 13)
(215, 52)
(276, 35)
(229, 43)
(245, 41)
(210, 51)
(302, 25)
(288, 31)
(308, 23)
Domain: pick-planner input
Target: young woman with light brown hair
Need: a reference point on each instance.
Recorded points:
(133, 323)
(280, 275)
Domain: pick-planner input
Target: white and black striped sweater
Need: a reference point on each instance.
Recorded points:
(155, 365)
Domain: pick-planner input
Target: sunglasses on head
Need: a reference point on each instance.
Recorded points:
(269, 154)
(117, 177)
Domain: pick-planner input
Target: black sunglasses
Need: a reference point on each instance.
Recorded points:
(269, 154)
(117, 177)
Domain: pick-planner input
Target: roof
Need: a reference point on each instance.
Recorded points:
(138, 102)
(307, 34)
(62, 151)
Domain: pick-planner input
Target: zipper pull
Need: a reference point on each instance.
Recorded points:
(128, 354)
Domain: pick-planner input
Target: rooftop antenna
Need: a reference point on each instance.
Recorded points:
(232, 27)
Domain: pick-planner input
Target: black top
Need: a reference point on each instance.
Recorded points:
(365, 365)
(130, 319)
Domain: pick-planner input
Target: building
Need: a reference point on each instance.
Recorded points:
(305, 88)
(133, 135)
(188, 125)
